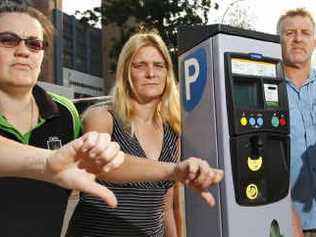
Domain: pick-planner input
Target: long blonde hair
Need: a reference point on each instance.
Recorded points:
(168, 110)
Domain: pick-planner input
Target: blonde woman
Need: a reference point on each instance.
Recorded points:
(145, 121)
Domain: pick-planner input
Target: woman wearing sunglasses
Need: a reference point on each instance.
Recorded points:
(30, 115)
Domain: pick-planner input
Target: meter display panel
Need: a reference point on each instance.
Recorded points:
(253, 68)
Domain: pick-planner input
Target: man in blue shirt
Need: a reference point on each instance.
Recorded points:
(297, 31)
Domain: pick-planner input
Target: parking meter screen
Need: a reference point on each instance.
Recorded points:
(246, 94)
(254, 68)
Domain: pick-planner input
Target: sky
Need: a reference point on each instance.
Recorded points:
(266, 12)
(71, 6)
(267, 19)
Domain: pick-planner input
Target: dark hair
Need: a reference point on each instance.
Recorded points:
(13, 7)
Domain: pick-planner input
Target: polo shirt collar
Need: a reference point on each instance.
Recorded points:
(311, 79)
(47, 107)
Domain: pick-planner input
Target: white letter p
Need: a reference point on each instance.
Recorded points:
(188, 79)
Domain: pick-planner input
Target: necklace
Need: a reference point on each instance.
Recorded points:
(32, 114)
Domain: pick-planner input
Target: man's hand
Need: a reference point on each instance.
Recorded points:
(296, 224)
(199, 176)
(75, 165)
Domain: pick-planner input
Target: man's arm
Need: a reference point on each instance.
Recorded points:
(297, 229)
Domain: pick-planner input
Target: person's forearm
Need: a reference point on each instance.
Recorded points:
(170, 225)
(297, 229)
(169, 218)
(22, 160)
(140, 170)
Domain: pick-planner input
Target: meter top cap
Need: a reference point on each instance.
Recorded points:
(193, 35)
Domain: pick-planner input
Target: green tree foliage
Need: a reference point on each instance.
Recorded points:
(163, 15)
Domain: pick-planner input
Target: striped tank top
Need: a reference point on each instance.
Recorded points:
(140, 205)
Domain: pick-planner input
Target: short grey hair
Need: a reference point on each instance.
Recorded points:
(293, 13)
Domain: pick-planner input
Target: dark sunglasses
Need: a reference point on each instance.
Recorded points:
(11, 40)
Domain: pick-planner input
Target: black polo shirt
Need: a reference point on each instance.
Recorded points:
(31, 208)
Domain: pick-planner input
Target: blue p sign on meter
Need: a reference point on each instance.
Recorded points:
(194, 74)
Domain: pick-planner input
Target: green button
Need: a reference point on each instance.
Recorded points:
(275, 121)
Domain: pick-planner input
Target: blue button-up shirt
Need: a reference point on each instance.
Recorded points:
(302, 105)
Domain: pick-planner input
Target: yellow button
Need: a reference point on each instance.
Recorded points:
(252, 191)
(243, 121)
(254, 164)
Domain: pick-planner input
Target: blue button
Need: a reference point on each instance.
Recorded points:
(252, 121)
(260, 121)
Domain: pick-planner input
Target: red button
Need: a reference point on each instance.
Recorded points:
(282, 121)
